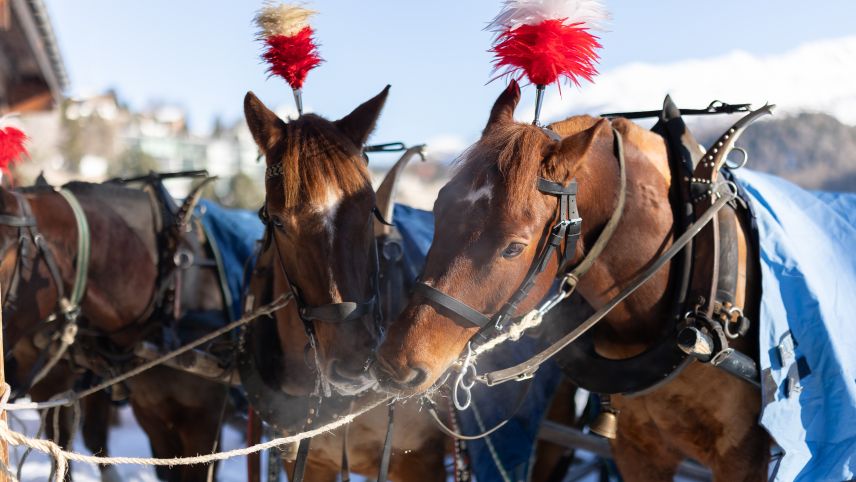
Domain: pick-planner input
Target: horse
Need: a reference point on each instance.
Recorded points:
(309, 360)
(117, 310)
(497, 214)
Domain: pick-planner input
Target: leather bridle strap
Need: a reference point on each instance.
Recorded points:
(461, 310)
(338, 312)
(17, 221)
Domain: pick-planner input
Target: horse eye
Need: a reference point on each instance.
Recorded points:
(513, 250)
(276, 221)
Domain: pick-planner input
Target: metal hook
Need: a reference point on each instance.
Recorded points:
(462, 385)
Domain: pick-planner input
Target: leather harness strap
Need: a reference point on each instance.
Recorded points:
(386, 453)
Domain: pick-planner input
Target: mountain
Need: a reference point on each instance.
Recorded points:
(815, 151)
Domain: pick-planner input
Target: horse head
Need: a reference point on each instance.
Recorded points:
(319, 210)
(492, 223)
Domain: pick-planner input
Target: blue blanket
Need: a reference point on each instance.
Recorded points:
(233, 234)
(807, 327)
(507, 453)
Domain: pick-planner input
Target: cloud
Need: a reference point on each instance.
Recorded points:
(445, 147)
(815, 77)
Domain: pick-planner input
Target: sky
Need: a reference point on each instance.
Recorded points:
(202, 55)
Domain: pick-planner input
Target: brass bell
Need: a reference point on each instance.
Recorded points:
(606, 423)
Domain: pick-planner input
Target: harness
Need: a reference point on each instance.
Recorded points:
(703, 282)
(32, 246)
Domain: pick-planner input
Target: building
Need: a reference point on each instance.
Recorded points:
(32, 74)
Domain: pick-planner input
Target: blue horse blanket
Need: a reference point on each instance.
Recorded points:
(233, 234)
(807, 328)
(507, 453)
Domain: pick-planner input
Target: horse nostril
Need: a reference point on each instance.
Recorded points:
(407, 377)
(416, 377)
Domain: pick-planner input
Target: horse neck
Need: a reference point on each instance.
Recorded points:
(645, 231)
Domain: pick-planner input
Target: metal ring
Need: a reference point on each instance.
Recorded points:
(743, 161)
(183, 259)
(392, 250)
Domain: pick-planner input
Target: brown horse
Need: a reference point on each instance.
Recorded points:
(491, 222)
(180, 417)
(320, 247)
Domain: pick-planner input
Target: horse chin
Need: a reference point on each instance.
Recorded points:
(354, 388)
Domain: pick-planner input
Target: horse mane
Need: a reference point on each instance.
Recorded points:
(516, 154)
(316, 156)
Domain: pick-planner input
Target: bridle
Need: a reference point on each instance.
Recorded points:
(32, 245)
(561, 240)
(335, 313)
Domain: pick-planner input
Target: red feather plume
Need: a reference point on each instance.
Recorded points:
(292, 57)
(546, 51)
(12, 147)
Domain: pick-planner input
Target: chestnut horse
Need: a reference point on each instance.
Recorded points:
(491, 222)
(181, 416)
(320, 246)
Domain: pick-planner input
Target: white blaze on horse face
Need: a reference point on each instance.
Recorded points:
(483, 192)
(328, 210)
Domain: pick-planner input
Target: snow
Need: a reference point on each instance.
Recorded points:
(815, 77)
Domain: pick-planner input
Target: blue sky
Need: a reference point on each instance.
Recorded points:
(201, 54)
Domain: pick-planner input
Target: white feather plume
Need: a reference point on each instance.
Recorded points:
(282, 19)
(514, 13)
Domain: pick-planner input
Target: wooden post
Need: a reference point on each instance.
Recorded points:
(4, 449)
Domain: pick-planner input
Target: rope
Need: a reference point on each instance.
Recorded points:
(515, 331)
(63, 457)
(69, 333)
(277, 304)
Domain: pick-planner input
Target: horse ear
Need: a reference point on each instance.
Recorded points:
(361, 122)
(503, 109)
(265, 126)
(576, 146)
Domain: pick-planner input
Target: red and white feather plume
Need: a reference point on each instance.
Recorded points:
(290, 47)
(12, 147)
(548, 40)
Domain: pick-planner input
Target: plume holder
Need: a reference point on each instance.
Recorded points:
(298, 100)
(539, 100)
